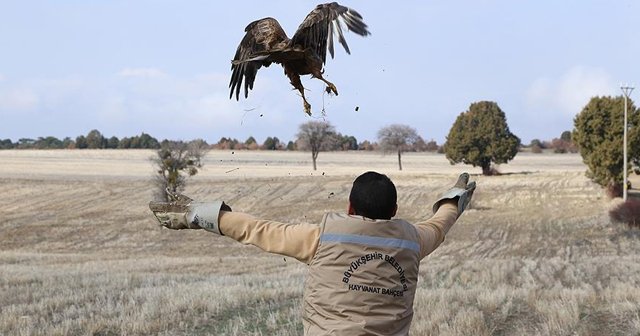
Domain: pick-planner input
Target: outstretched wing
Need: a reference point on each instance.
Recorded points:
(262, 35)
(317, 29)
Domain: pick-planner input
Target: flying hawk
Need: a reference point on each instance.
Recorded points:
(265, 42)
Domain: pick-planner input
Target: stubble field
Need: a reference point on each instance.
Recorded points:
(80, 254)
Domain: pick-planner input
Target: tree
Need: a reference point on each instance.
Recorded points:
(199, 145)
(251, 143)
(125, 142)
(81, 142)
(431, 146)
(95, 140)
(271, 143)
(113, 142)
(397, 138)
(174, 160)
(537, 143)
(143, 140)
(26, 143)
(480, 137)
(147, 141)
(68, 143)
(250, 140)
(422, 146)
(316, 136)
(564, 144)
(598, 133)
(536, 146)
(348, 142)
(6, 144)
(368, 146)
(229, 143)
(49, 142)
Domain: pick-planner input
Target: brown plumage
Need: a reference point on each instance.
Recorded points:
(265, 42)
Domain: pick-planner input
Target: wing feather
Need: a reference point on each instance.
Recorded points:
(261, 37)
(325, 21)
(330, 34)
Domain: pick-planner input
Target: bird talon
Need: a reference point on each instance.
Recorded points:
(331, 88)
(307, 108)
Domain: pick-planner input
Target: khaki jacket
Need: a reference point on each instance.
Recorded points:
(362, 272)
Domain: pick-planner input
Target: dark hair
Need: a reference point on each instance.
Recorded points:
(374, 196)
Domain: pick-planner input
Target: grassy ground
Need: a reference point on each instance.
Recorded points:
(80, 254)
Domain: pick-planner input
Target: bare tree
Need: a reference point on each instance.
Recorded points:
(316, 136)
(175, 161)
(397, 138)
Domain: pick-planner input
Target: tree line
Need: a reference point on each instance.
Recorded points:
(94, 139)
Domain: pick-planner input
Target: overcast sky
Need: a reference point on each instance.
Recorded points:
(162, 66)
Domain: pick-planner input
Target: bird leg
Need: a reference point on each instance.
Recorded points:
(297, 83)
(330, 87)
(306, 105)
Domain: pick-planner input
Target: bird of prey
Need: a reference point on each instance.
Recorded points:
(265, 42)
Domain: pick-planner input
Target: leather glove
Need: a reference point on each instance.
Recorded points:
(462, 190)
(183, 213)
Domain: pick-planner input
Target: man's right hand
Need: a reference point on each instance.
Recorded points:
(183, 213)
(462, 190)
(173, 215)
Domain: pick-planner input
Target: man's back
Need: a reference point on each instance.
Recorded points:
(362, 278)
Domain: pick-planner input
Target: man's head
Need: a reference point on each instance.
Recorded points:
(374, 196)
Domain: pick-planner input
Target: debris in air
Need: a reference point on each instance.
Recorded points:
(357, 108)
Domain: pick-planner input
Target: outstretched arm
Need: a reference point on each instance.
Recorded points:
(298, 241)
(446, 210)
(432, 231)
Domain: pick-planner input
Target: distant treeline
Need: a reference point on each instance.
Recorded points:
(95, 140)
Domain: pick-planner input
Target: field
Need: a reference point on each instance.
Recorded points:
(80, 254)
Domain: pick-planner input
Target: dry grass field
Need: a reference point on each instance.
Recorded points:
(80, 254)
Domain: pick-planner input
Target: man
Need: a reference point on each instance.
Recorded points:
(363, 265)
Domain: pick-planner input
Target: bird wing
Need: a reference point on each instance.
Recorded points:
(252, 53)
(317, 29)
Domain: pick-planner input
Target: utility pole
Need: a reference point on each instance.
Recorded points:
(626, 90)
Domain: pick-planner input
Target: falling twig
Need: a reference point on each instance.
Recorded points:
(247, 111)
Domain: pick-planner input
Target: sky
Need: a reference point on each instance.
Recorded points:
(163, 66)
